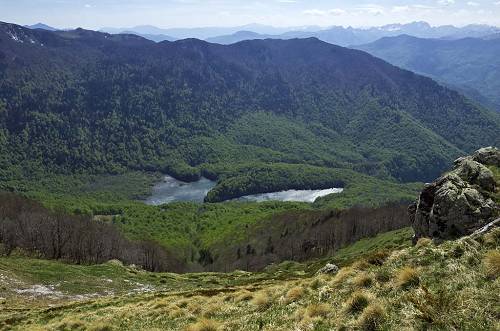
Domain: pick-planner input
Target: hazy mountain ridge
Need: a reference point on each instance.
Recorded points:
(471, 65)
(339, 35)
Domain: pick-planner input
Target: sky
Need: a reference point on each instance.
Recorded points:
(95, 14)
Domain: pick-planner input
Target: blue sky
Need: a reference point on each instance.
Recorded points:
(190, 13)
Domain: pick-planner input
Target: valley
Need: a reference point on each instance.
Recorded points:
(150, 182)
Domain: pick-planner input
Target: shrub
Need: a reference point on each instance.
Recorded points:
(407, 277)
(357, 302)
(371, 318)
(491, 264)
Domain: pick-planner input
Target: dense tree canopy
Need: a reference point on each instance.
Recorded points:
(83, 101)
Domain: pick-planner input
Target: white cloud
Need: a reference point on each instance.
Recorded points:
(371, 9)
(400, 9)
(87, 5)
(337, 12)
(472, 4)
(446, 2)
(319, 12)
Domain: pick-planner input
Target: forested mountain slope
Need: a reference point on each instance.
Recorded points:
(471, 64)
(80, 100)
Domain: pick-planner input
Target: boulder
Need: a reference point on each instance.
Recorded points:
(461, 201)
(329, 268)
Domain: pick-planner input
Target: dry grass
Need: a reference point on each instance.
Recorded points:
(71, 324)
(343, 275)
(182, 303)
(175, 312)
(244, 295)
(407, 277)
(211, 309)
(361, 265)
(357, 302)
(363, 280)
(100, 327)
(261, 300)
(204, 325)
(491, 264)
(378, 258)
(371, 318)
(423, 242)
(492, 238)
(318, 310)
(316, 283)
(294, 294)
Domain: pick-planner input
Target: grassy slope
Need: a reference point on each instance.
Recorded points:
(451, 286)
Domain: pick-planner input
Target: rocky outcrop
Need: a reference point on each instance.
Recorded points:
(328, 269)
(461, 201)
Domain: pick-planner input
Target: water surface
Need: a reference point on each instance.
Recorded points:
(291, 195)
(172, 190)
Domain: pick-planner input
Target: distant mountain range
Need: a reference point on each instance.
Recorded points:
(337, 35)
(41, 26)
(203, 33)
(470, 65)
(355, 36)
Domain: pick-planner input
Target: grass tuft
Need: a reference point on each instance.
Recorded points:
(357, 302)
(294, 294)
(204, 325)
(407, 277)
(363, 280)
(491, 264)
(261, 301)
(244, 295)
(423, 242)
(318, 310)
(372, 317)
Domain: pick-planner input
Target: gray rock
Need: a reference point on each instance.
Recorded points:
(329, 268)
(487, 156)
(459, 202)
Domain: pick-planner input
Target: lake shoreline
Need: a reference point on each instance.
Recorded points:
(172, 190)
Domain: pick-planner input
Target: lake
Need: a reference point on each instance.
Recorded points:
(172, 190)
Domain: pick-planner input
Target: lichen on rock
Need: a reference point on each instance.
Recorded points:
(459, 202)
